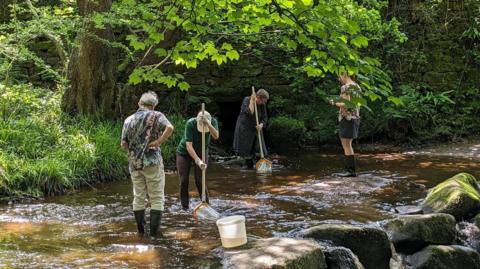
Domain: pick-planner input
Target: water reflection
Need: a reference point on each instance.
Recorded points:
(95, 228)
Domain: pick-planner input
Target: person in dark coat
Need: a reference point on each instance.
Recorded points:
(245, 141)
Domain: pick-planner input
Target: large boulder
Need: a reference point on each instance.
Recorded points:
(411, 233)
(371, 245)
(445, 257)
(458, 196)
(341, 258)
(278, 253)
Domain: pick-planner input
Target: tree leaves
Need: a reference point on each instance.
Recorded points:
(360, 41)
(318, 37)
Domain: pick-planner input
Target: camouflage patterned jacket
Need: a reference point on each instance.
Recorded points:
(353, 90)
(139, 130)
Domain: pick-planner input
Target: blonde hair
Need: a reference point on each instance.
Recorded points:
(345, 79)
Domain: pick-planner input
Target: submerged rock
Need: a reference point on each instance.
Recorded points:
(342, 258)
(276, 253)
(409, 210)
(371, 245)
(414, 232)
(458, 196)
(445, 257)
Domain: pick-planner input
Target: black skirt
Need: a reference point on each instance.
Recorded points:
(349, 128)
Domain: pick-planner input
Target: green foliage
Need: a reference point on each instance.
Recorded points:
(286, 129)
(24, 36)
(428, 115)
(472, 34)
(46, 152)
(320, 37)
(170, 147)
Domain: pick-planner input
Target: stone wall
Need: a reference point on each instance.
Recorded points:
(435, 53)
(230, 83)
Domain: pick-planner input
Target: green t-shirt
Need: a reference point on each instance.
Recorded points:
(191, 134)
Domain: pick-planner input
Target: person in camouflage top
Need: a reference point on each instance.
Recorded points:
(142, 135)
(349, 122)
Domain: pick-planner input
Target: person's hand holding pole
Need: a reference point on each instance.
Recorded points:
(201, 164)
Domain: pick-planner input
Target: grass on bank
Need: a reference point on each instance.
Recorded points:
(45, 152)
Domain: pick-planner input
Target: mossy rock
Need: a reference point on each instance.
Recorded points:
(445, 257)
(412, 233)
(342, 258)
(457, 196)
(371, 245)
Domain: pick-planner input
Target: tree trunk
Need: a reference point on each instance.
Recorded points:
(91, 69)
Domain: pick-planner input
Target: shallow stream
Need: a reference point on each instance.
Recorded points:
(94, 227)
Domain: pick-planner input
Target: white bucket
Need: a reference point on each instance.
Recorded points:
(232, 231)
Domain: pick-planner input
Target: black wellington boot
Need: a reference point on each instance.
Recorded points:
(155, 222)
(249, 163)
(140, 219)
(350, 167)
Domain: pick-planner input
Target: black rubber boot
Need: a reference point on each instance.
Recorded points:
(248, 163)
(155, 222)
(140, 219)
(350, 167)
(185, 201)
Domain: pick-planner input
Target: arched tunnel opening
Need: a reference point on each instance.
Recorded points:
(227, 114)
(227, 117)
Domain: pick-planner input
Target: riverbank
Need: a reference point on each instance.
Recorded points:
(44, 152)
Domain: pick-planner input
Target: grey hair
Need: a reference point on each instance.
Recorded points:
(149, 99)
(263, 93)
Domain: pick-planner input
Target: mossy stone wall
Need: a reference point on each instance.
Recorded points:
(436, 51)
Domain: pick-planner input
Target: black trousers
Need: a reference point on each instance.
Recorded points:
(184, 163)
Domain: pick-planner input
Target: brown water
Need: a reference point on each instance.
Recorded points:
(94, 228)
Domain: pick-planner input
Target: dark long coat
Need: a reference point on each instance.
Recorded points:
(244, 140)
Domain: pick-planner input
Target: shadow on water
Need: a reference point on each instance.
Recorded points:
(95, 228)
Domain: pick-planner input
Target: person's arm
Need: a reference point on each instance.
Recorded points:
(251, 104)
(165, 135)
(344, 95)
(213, 128)
(124, 140)
(162, 123)
(213, 132)
(194, 156)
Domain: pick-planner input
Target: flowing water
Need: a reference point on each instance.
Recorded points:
(94, 228)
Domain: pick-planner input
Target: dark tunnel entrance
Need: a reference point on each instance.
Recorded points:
(227, 116)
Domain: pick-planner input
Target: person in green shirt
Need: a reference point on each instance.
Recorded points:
(189, 151)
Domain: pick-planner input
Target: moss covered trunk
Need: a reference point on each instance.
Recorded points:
(91, 70)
